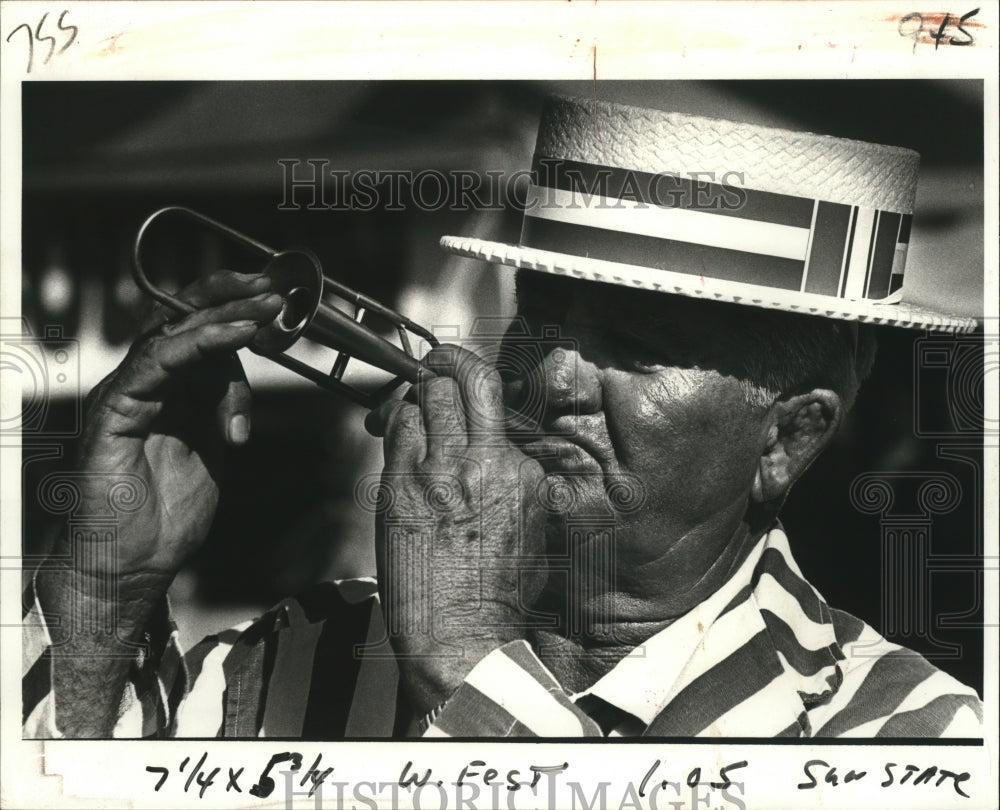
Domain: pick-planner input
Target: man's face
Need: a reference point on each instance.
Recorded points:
(635, 394)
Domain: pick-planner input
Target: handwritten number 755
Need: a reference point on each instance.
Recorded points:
(36, 35)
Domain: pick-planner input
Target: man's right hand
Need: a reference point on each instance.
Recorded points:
(165, 415)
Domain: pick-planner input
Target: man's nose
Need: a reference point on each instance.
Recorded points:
(553, 381)
(571, 384)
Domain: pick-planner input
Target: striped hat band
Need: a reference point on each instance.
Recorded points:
(716, 227)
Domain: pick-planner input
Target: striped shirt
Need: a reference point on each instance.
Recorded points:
(762, 657)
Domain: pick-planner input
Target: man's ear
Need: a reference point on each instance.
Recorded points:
(799, 427)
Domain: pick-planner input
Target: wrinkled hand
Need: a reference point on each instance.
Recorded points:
(166, 414)
(459, 548)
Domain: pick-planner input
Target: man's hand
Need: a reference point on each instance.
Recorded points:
(461, 507)
(167, 413)
(165, 416)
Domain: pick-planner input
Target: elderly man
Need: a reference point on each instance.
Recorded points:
(580, 540)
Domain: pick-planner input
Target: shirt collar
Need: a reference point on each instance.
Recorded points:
(767, 592)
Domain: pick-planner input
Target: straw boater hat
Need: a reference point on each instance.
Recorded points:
(719, 210)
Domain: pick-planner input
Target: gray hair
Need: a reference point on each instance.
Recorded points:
(780, 353)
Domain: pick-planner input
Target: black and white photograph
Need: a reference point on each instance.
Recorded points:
(477, 430)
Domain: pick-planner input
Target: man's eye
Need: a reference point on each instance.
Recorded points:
(635, 353)
(645, 365)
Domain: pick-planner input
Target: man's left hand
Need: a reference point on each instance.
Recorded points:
(459, 541)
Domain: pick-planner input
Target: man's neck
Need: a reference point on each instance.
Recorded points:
(578, 660)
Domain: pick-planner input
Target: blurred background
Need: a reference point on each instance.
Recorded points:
(99, 157)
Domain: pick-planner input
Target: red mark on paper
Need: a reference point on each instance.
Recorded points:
(112, 46)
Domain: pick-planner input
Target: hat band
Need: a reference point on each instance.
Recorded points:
(715, 230)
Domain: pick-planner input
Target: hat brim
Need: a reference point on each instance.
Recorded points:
(899, 314)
